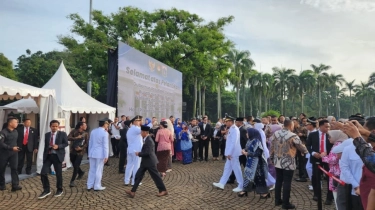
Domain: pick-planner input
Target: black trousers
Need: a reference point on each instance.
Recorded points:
(222, 147)
(203, 144)
(315, 185)
(51, 159)
(123, 149)
(76, 162)
(115, 148)
(243, 161)
(215, 146)
(195, 150)
(154, 175)
(21, 159)
(356, 203)
(302, 173)
(11, 158)
(283, 180)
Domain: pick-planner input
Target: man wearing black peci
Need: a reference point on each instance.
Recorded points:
(78, 138)
(204, 138)
(53, 154)
(148, 163)
(319, 146)
(28, 141)
(8, 153)
(243, 140)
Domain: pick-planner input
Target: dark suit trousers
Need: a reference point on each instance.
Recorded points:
(301, 165)
(11, 158)
(76, 162)
(315, 185)
(243, 161)
(195, 149)
(222, 148)
(154, 175)
(122, 159)
(21, 159)
(115, 148)
(284, 181)
(203, 144)
(215, 146)
(51, 159)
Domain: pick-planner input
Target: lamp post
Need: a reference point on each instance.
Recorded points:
(89, 80)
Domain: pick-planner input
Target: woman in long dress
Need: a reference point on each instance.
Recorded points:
(186, 144)
(256, 169)
(165, 140)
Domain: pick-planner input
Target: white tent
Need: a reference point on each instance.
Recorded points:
(44, 98)
(22, 106)
(72, 99)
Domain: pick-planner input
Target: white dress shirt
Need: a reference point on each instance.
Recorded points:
(115, 131)
(320, 139)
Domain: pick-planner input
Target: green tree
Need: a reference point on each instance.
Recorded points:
(306, 83)
(337, 81)
(6, 68)
(281, 76)
(322, 80)
(350, 86)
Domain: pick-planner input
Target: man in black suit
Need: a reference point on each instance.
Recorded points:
(53, 154)
(149, 162)
(319, 146)
(123, 146)
(204, 138)
(243, 141)
(28, 141)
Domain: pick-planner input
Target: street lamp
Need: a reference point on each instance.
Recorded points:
(89, 80)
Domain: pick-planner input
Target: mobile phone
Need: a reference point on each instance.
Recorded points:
(19, 149)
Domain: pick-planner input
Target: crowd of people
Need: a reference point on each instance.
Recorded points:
(270, 149)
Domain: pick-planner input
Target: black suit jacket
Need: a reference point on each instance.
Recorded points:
(243, 137)
(148, 153)
(312, 145)
(61, 140)
(32, 142)
(206, 132)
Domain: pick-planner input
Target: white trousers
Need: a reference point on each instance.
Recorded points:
(309, 166)
(134, 162)
(94, 179)
(232, 165)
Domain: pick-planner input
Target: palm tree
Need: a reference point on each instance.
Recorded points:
(268, 82)
(337, 79)
(322, 80)
(306, 82)
(350, 86)
(281, 76)
(241, 62)
(362, 92)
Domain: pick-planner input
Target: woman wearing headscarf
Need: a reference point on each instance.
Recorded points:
(336, 137)
(177, 143)
(165, 140)
(216, 139)
(256, 169)
(331, 119)
(186, 144)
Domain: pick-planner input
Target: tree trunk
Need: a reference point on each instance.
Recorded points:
(337, 103)
(218, 100)
(320, 101)
(195, 97)
(351, 102)
(260, 103)
(243, 100)
(282, 99)
(204, 99)
(199, 100)
(238, 99)
(265, 104)
(302, 103)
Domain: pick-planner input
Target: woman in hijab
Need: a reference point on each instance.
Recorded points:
(331, 119)
(336, 137)
(165, 140)
(177, 145)
(256, 169)
(186, 144)
(215, 142)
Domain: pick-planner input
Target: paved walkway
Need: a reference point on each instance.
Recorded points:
(189, 187)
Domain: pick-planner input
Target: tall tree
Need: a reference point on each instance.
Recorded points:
(241, 62)
(337, 81)
(306, 82)
(6, 68)
(322, 80)
(350, 86)
(281, 76)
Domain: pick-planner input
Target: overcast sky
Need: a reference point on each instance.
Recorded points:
(287, 33)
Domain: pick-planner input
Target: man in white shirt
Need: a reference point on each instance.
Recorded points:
(232, 152)
(135, 143)
(98, 155)
(115, 137)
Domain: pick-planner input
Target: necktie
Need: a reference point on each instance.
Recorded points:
(26, 136)
(51, 142)
(322, 143)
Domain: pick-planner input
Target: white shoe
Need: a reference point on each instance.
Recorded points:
(237, 189)
(138, 185)
(100, 189)
(218, 185)
(272, 188)
(169, 170)
(311, 188)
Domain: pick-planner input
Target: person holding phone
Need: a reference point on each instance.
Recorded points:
(8, 153)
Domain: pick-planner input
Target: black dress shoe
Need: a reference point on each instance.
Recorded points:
(72, 184)
(28, 172)
(16, 188)
(44, 194)
(58, 193)
(80, 175)
(301, 180)
(278, 202)
(121, 172)
(315, 198)
(288, 206)
(328, 202)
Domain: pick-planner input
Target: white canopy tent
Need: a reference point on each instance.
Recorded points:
(72, 99)
(26, 106)
(44, 98)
